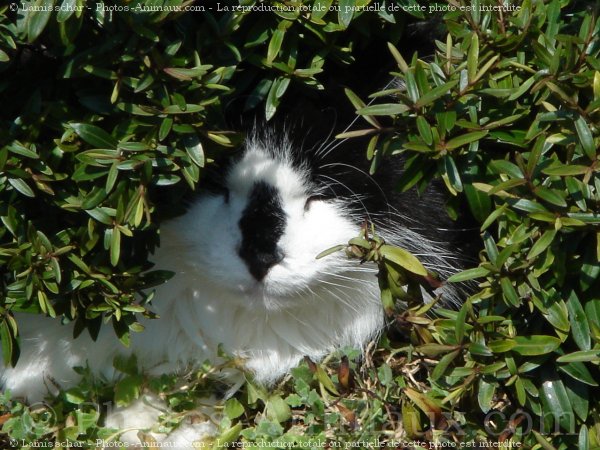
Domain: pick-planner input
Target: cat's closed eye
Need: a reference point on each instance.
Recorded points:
(314, 198)
(223, 192)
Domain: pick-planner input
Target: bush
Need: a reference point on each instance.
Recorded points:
(507, 114)
(109, 112)
(123, 107)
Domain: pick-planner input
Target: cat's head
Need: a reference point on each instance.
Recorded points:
(253, 236)
(258, 230)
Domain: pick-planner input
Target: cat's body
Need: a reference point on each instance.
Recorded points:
(246, 277)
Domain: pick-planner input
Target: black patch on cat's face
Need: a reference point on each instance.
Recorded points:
(262, 225)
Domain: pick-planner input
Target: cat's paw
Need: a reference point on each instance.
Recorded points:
(138, 420)
(140, 415)
(190, 434)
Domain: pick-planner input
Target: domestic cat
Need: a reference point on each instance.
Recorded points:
(246, 275)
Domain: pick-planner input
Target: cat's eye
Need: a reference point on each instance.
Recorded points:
(224, 192)
(314, 198)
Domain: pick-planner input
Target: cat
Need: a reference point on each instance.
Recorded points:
(246, 276)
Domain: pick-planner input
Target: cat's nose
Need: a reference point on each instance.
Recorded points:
(262, 224)
(260, 263)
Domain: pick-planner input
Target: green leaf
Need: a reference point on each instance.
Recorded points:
(435, 93)
(94, 135)
(451, 171)
(8, 342)
(325, 381)
(165, 128)
(469, 274)
(473, 57)
(126, 364)
(38, 17)
(424, 403)
(485, 394)
(402, 63)
(479, 202)
(586, 138)
(275, 45)
(387, 300)
(184, 74)
(79, 263)
(410, 420)
(111, 177)
(550, 195)
(385, 375)
(502, 345)
(506, 186)
(359, 104)
(480, 349)
(277, 409)
(424, 130)
(75, 396)
(522, 89)
(486, 67)
(133, 146)
(403, 258)
(19, 149)
(411, 86)
(272, 101)
(556, 402)
(583, 442)
(330, 251)
(535, 345)
(541, 244)
(507, 167)
(510, 294)
(320, 9)
(115, 246)
(580, 356)
(580, 329)
(579, 372)
(565, 169)
(442, 365)
(526, 205)
(128, 389)
(465, 139)
(414, 171)
(346, 12)
(227, 437)
(557, 314)
(579, 397)
(193, 148)
(542, 441)
(233, 408)
(67, 8)
(503, 121)
(460, 322)
(433, 349)
(385, 109)
(494, 215)
(21, 186)
(188, 109)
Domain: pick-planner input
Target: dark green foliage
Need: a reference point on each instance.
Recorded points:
(107, 111)
(507, 113)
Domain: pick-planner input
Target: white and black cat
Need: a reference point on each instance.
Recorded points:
(246, 276)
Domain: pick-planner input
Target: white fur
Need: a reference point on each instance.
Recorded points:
(303, 306)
